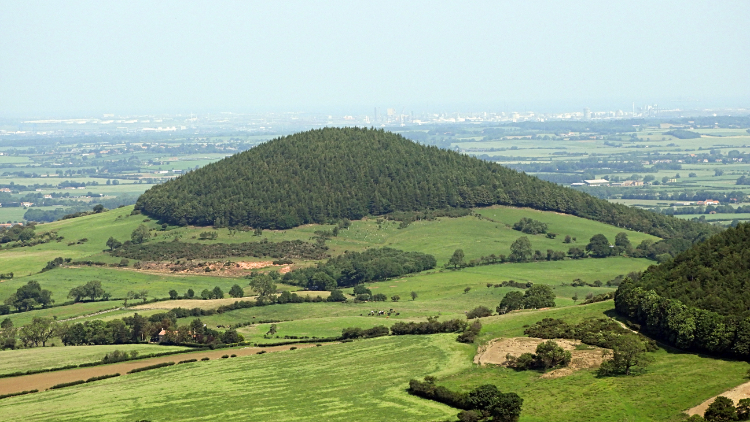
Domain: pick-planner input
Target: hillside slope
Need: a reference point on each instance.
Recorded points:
(713, 275)
(333, 173)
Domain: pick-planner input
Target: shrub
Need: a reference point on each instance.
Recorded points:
(225, 357)
(67, 384)
(234, 356)
(205, 359)
(102, 377)
(479, 312)
(150, 367)
(261, 352)
(189, 361)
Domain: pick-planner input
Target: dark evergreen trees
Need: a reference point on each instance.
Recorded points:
(335, 173)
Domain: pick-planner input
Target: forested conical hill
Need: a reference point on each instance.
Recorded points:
(328, 174)
(713, 275)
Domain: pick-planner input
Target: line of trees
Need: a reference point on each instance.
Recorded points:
(352, 268)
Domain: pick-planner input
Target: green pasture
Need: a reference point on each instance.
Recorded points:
(439, 237)
(439, 293)
(360, 381)
(675, 382)
(54, 357)
(118, 282)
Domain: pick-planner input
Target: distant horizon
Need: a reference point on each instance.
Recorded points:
(86, 58)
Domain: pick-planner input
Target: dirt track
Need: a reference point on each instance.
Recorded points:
(737, 393)
(496, 350)
(46, 380)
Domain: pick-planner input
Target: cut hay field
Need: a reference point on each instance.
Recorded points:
(53, 357)
(364, 380)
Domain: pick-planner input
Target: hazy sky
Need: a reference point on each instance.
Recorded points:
(63, 58)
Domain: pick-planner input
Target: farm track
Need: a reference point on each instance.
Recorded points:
(46, 380)
(90, 315)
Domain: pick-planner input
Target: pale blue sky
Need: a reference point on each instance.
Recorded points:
(180, 56)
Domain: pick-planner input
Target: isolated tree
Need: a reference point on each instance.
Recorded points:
(263, 285)
(575, 298)
(457, 260)
(113, 243)
(29, 296)
(512, 301)
(173, 294)
(598, 246)
(190, 293)
(539, 296)
(721, 410)
(140, 234)
(550, 355)
(413, 295)
(395, 298)
(98, 208)
(236, 291)
(467, 290)
(520, 250)
(567, 239)
(628, 352)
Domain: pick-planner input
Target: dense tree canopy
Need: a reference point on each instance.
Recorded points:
(713, 275)
(334, 173)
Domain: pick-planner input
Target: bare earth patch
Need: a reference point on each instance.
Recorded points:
(496, 350)
(215, 268)
(736, 394)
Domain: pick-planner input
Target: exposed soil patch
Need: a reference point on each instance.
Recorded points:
(740, 392)
(218, 268)
(496, 350)
(46, 380)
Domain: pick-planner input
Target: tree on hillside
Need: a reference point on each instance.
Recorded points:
(395, 298)
(7, 334)
(93, 290)
(263, 285)
(413, 295)
(622, 243)
(218, 293)
(520, 250)
(721, 410)
(113, 243)
(598, 246)
(38, 331)
(550, 355)
(173, 294)
(236, 291)
(29, 296)
(512, 301)
(628, 352)
(190, 293)
(457, 260)
(539, 296)
(140, 234)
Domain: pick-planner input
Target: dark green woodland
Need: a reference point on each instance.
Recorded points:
(325, 175)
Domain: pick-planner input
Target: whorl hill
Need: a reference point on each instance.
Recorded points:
(329, 174)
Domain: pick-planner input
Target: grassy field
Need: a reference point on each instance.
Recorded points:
(439, 293)
(52, 357)
(363, 381)
(675, 382)
(366, 380)
(119, 282)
